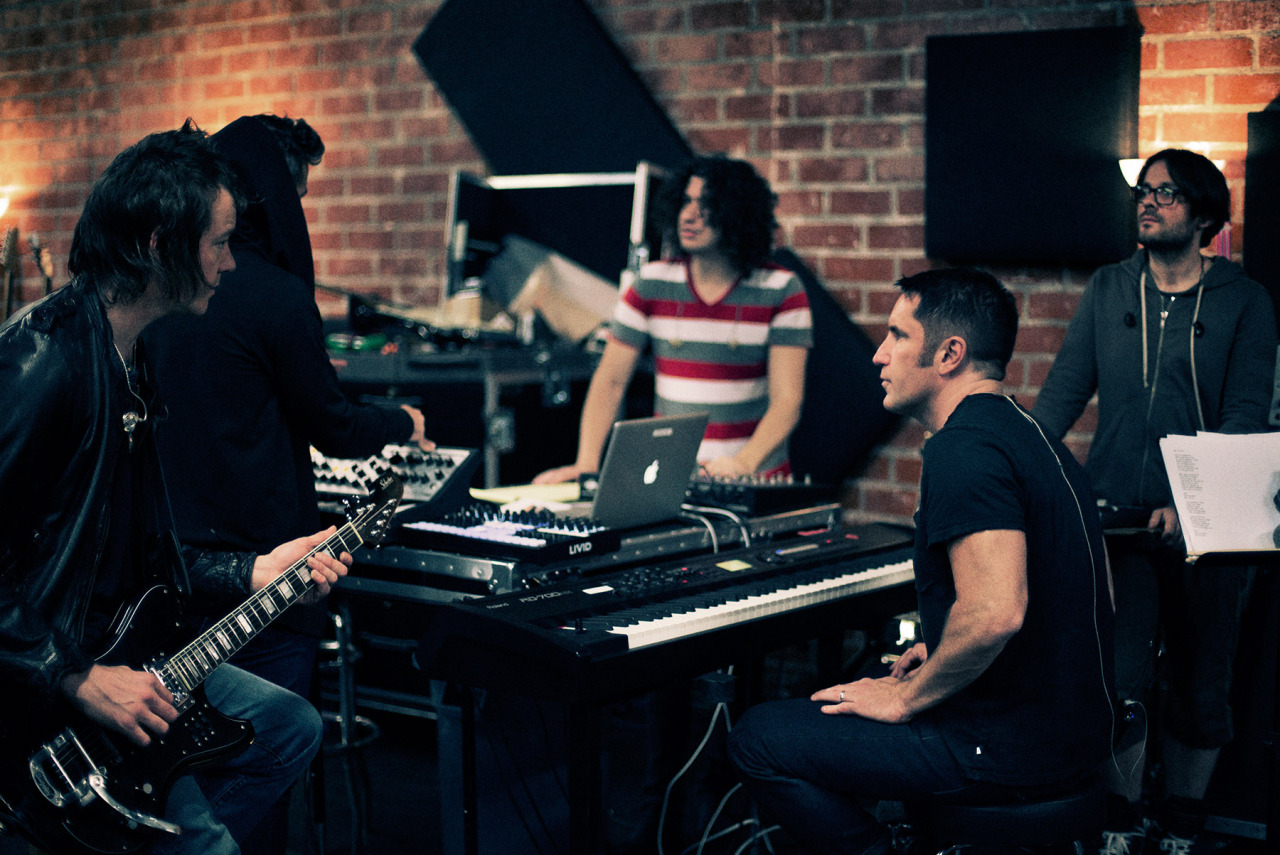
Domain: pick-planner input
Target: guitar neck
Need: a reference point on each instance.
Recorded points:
(189, 667)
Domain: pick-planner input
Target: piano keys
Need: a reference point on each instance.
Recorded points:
(607, 637)
(714, 611)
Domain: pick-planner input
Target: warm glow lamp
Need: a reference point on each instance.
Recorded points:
(1130, 167)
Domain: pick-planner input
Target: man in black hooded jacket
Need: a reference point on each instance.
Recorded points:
(250, 388)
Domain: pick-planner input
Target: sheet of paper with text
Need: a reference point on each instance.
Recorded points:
(1226, 488)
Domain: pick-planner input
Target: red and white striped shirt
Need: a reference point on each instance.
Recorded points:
(713, 357)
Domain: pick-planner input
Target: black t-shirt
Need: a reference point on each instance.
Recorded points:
(1041, 711)
(122, 571)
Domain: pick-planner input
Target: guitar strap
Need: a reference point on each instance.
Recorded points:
(164, 549)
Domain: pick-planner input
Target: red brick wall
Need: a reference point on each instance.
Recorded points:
(825, 96)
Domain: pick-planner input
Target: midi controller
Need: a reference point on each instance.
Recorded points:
(537, 536)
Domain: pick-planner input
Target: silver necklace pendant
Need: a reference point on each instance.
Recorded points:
(131, 421)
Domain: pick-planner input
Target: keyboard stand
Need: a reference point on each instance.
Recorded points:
(584, 766)
(586, 827)
(584, 685)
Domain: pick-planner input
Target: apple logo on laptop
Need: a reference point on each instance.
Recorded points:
(651, 472)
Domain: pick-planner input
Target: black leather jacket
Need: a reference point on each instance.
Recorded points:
(57, 453)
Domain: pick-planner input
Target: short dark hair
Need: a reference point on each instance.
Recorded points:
(1202, 183)
(299, 142)
(971, 304)
(739, 204)
(161, 188)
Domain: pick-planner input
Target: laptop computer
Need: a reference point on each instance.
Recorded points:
(646, 470)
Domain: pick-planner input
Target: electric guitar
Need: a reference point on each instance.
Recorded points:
(43, 261)
(73, 787)
(9, 269)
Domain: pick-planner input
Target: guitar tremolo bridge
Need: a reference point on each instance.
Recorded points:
(60, 770)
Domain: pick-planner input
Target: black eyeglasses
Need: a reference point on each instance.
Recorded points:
(1275, 534)
(1164, 194)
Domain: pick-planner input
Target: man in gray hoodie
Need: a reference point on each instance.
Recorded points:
(1173, 342)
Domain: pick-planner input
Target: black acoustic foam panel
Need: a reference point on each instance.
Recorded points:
(843, 417)
(1262, 202)
(1023, 133)
(541, 88)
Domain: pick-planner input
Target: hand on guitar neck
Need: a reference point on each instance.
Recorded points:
(325, 568)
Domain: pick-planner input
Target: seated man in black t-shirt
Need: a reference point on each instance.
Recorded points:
(1009, 695)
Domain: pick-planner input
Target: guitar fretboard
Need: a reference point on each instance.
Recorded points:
(189, 667)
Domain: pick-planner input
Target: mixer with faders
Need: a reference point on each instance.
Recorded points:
(436, 482)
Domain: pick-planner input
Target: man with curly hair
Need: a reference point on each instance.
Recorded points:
(730, 331)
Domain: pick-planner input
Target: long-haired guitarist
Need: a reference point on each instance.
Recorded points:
(85, 522)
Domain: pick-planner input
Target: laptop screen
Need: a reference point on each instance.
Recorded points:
(646, 470)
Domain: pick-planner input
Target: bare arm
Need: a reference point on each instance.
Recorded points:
(419, 437)
(786, 396)
(599, 410)
(990, 571)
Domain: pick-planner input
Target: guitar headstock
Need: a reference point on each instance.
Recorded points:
(41, 255)
(9, 252)
(372, 517)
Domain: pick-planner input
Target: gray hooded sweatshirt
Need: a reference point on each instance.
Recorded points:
(1227, 321)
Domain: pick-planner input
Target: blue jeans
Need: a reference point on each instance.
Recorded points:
(819, 776)
(288, 659)
(284, 657)
(218, 805)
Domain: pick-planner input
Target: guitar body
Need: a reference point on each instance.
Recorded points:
(51, 755)
(75, 788)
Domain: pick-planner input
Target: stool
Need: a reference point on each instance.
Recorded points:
(1059, 824)
(353, 732)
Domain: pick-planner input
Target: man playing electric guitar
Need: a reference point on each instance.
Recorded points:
(84, 521)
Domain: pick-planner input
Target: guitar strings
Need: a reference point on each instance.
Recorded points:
(224, 638)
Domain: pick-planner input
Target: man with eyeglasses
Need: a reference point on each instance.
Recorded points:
(1173, 341)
